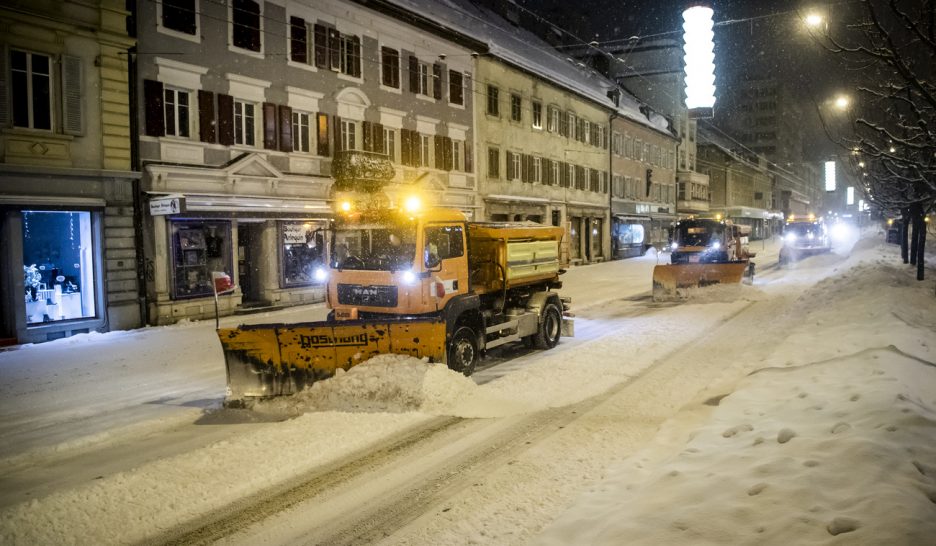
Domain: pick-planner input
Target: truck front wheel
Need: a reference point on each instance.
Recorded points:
(463, 352)
(550, 328)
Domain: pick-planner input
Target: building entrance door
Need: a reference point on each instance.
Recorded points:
(248, 262)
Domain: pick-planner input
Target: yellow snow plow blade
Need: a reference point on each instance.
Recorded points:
(677, 281)
(279, 359)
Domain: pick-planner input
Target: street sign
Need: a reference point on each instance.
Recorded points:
(167, 205)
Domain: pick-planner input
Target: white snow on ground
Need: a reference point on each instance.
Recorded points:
(832, 440)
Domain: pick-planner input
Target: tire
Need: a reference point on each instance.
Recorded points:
(463, 351)
(550, 328)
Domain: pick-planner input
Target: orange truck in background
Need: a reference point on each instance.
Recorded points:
(425, 283)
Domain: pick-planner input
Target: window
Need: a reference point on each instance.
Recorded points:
(322, 134)
(426, 79)
(31, 87)
(492, 99)
(245, 21)
(456, 88)
(244, 126)
(552, 120)
(493, 163)
(442, 243)
(390, 67)
(554, 172)
(348, 135)
(303, 251)
(300, 131)
(176, 107)
(389, 143)
(638, 149)
(300, 44)
(424, 150)
(198, 248)
(180, 15)
(58, 258)
(457, 147)
(513, 166)
(586, 132)
(572, 122)
(628, 147)
(350, 55)
(537, 109)
(537, 169)
(515, 104)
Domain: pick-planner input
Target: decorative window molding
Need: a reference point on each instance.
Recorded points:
(179, 74)
(247, 88)
(303, 99)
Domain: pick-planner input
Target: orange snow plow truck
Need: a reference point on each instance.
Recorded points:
(425, 283)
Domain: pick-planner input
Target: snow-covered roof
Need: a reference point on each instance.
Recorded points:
(528, 51)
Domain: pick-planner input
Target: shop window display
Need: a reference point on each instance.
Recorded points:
(303, 246)
(58, 272)
(198, 249)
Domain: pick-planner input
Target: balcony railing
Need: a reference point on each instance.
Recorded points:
(356, 170)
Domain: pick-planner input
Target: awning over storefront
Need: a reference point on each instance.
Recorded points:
(517, 199)
(631, 218)
(51, 201)
(264, 205)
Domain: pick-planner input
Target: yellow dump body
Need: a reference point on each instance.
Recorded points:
(518, 253)
(277, 359)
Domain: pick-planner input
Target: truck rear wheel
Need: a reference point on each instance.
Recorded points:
(550, 328)
(463, 351)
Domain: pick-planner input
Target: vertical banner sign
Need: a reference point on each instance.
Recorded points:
(222, 284)
(830, 176)
(699, 48)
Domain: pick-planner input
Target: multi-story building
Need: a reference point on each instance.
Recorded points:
(250, 109)
(741, 185)
(67, 230)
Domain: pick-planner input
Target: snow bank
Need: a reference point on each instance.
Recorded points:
(395, 384)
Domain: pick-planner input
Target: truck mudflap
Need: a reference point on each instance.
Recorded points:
(279, 359)
(677, 281)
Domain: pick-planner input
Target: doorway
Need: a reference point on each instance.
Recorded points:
(249, 263)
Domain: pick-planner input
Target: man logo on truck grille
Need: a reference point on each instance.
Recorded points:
(307, 342)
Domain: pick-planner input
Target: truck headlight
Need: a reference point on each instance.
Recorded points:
(716, 245)
(409, 277)
(674, 246)
(321, 275)
(790, 237)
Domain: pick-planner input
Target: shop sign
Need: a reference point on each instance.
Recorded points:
(167, 205)
(296, 233)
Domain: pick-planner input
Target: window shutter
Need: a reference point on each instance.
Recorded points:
(321, 131)
(285, 129)
(334, 49)
(320, 47)
(4, 94)
(367, 128)
(439, 151)
(298, 40)
(379, 139)
(404, 147)
(448, 159)
(72, 118)
(469, 158)
(356, 68)
(339, 137)
(510, 165)
(437, 81)
(269, 126)
(413, 74)
(525, 167)
(206, 116)
(153, 97)
(225, 119)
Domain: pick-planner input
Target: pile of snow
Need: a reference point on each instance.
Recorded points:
(793, 456)
(394, 384)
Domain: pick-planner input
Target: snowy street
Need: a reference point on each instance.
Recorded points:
(797, 410)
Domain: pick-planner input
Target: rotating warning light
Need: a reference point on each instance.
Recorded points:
(699, 48)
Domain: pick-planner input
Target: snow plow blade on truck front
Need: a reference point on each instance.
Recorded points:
(279, 359)
(679, 281)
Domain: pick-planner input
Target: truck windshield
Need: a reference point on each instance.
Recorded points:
(804, 229)
(697, 235)
(374, 248)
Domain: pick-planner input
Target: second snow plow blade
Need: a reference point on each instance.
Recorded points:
(677, 281)
(279, 359)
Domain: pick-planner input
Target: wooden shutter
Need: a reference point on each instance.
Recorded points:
(448, 159)
(439, 151)
(404, 147)
(524, 168)
(320, 47)
(225, 119)
(356, 57)
(413, 74)
(207, 131)
(321, 132)
(269, 126)
(510, 165)
(437, 81)
(378, 138)
(334, 49)
(469, 158)
(153, 99)
(4, 94)
(339, 136)
(285, 129)
(367, 128)
(72, 111)
(298, 40)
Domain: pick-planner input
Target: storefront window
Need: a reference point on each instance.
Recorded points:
(198, 248)
(630, 234)
(303, 245)
(58, 258)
